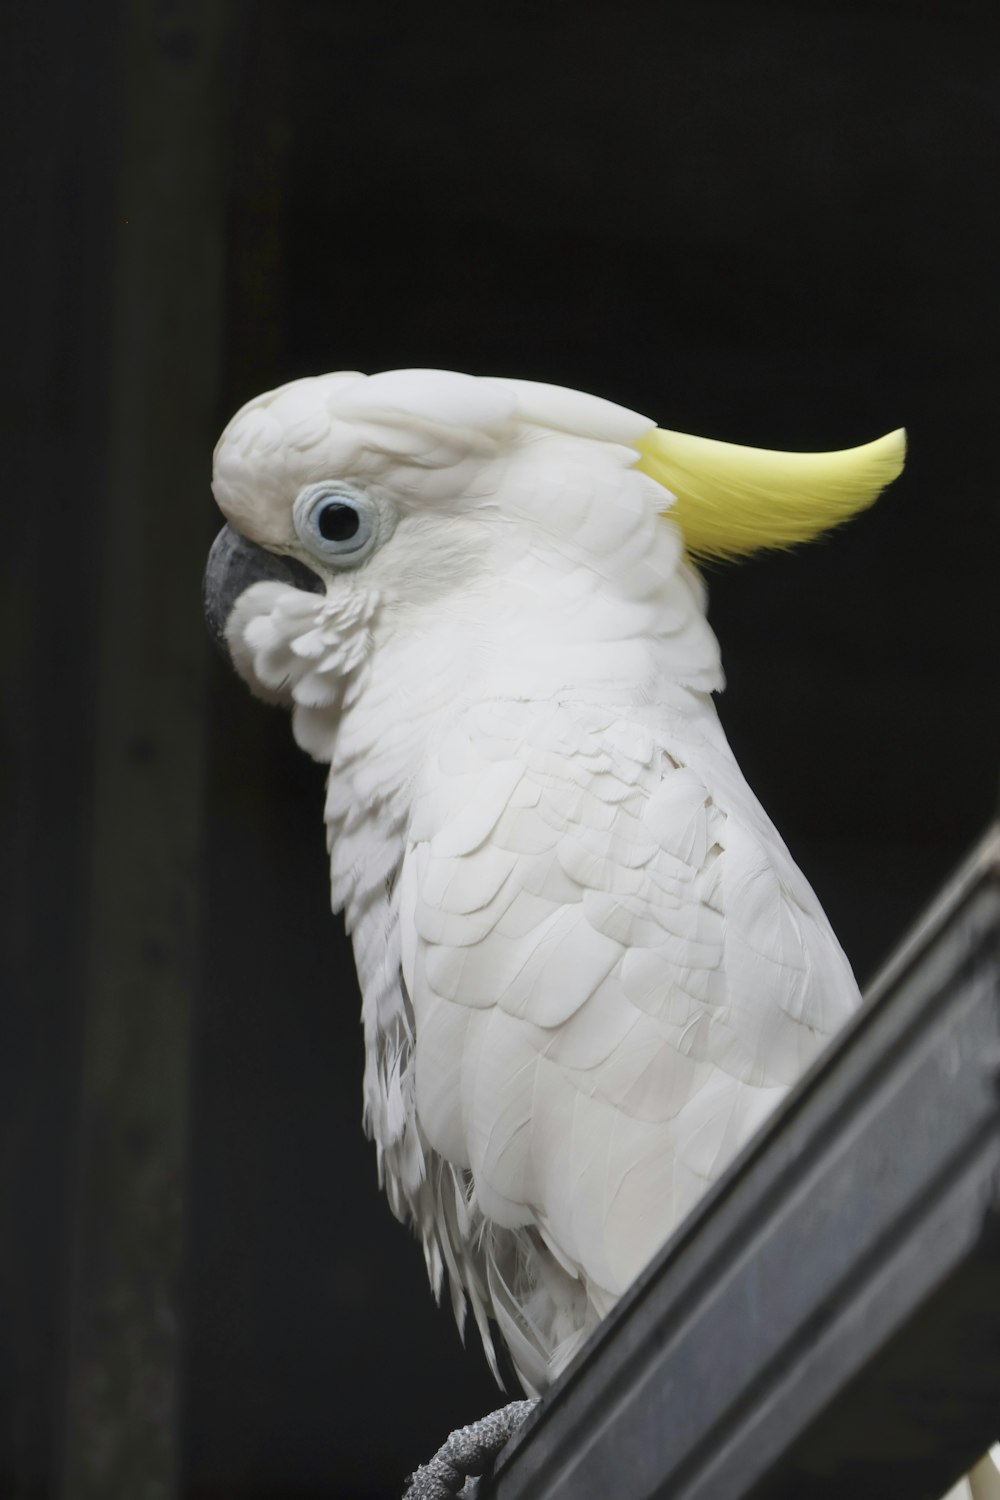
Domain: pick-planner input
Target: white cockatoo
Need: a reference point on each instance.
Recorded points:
(589, 967)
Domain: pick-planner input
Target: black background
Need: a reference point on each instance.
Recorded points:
(774, 223)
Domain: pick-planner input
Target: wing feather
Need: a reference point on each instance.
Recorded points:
(615, 971)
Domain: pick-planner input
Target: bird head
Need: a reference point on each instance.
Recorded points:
(363, 504)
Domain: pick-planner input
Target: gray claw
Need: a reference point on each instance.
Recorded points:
(468, 1451)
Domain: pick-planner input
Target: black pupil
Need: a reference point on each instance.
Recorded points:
(338, 523)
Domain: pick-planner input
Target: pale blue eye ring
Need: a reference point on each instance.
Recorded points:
(337, 522)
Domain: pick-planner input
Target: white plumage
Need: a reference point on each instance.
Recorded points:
(589, 966)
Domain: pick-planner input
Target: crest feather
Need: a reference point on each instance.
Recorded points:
(732, 501)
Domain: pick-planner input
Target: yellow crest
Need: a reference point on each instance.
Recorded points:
(732, 501)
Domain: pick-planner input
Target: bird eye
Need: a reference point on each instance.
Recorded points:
(338, 523)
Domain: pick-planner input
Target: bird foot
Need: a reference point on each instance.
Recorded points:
(468, 1452)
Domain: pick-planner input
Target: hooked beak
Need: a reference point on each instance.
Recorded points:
(234, 564)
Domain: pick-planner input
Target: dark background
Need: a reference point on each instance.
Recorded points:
(774, 223)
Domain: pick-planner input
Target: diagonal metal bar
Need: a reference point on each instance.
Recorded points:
(828, 1321)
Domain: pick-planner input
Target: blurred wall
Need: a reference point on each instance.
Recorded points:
(775, 224)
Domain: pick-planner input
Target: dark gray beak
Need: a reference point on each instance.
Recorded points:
(233, 565)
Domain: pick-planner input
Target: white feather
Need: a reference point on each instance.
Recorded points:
(589, 966)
